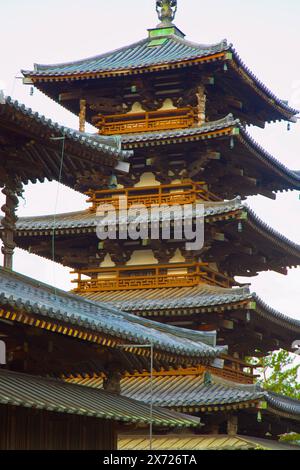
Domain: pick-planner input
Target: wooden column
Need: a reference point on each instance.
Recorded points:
(201, 105)
(82, 115)
(12, 191)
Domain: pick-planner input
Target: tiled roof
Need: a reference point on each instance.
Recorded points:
(89, 220)
(139, 56)
(134, 56)
(41, 149)
(202, 298)
(54, 395)
(207, 130)
(284, 405)
(18, 292)
(162, 136)
(102, 144)
(199, 442)
(188, 392)
(172, 298)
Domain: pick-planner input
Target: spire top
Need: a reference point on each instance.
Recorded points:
(166, 10)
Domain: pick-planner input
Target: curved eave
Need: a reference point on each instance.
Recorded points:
(21, 296)
(292, 177)
(226, 127)
(92, 143)
(260, 88)
(283, 406)
(283, 243)
(180, 54)
(185, 302)
(270, 314)
(37, 142)
(85, 222)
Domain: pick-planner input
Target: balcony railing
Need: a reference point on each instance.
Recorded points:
(145, 121)
(235, 370)
(170, 194)
(149, 277)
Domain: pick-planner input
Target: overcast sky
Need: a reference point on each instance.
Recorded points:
(264, 32)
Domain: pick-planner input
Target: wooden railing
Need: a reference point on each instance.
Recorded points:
(149, 277)
(145, 121)
(171, 194)
(235, 370)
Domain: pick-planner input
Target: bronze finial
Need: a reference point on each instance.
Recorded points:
(166, 10)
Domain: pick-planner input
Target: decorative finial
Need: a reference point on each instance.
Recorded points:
(166, 10)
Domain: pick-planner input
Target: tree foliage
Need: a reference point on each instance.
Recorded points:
(280, 373)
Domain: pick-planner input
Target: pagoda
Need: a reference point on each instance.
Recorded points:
(179, 112)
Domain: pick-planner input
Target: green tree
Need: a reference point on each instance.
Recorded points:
(279, 373)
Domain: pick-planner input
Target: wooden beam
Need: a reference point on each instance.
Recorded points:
(82, 115)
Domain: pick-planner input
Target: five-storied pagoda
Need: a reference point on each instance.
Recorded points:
(172, 120)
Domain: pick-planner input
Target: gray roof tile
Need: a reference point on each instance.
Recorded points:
(54, 395)
(20, 292)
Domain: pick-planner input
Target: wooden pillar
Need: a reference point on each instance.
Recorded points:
(201, 105)
(12, 191)
(82, 115)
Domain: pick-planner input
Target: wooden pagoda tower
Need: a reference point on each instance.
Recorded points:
(180, 110)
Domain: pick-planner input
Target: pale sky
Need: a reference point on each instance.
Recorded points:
(264, 32)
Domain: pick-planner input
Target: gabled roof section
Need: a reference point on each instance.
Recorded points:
(28, 391)
(21, 294)
(36, 143)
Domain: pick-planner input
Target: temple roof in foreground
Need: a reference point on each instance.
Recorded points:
(21, 296)
(18, 389)
(199, 442)
(172, 51)
(31, 146)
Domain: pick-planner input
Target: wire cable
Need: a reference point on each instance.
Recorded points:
(63, 138)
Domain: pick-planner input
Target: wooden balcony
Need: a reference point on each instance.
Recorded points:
(149, 277)
(170, 194)
(235, 370)
(129, 123)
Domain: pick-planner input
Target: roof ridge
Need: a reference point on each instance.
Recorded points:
(81, 61)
